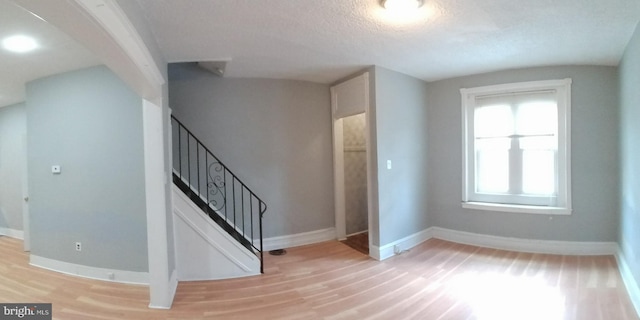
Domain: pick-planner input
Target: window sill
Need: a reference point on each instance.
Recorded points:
(514, 208)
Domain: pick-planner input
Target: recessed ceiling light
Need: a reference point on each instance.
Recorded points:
(401, 5)
(19, 44)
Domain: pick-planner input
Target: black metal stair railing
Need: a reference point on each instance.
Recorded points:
(216, 190)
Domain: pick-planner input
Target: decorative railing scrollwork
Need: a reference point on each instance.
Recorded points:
(216, 185)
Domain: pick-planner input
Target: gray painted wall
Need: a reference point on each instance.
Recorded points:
(274, 134)
(594, 153)
(401, 125)
(13, 132)
(424, 187)
(90, 123)
(630, 155)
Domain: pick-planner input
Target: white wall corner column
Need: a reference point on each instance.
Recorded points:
(162, 281)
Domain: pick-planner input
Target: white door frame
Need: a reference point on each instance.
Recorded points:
(26, 234)
(338, 179)
(338, 165)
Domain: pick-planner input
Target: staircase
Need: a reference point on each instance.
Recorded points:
(214, 189)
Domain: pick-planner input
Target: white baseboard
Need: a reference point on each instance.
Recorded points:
(13, 233)
(357, 233)
(496, 242)
(633, 287)
(374, 252)
(526, 245)
(299, 239)
(406, 243)
(173, 286)
(121, 276)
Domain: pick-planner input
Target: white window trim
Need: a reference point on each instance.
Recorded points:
(516, 208)
(468, 96)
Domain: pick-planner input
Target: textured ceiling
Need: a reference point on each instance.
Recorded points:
(325, 40)
(57, 53)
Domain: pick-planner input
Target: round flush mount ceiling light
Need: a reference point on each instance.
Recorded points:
(401, 5)
(402, 13)
(19, 44)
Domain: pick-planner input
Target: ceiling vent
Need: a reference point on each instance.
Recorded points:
(215, 67)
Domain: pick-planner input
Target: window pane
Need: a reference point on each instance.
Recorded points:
(537, 117)
(493, 121)
(492, 165)
(539, 172)
(539, 143)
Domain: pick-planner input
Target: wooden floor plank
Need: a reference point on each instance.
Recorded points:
(434, 280)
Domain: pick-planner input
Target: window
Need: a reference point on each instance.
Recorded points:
(516, 147)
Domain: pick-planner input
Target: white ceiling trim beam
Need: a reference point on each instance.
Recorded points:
(129, 59)
(112, 19)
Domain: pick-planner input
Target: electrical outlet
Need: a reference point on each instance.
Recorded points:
(78, 246)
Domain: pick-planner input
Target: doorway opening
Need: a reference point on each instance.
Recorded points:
(355, 182)
(352, 154)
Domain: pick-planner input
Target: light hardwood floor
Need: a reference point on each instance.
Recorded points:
(436, 280)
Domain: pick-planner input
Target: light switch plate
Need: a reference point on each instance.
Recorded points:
(55, 169)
